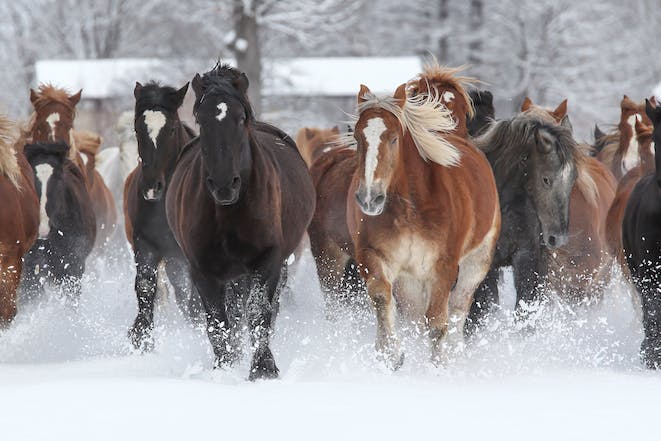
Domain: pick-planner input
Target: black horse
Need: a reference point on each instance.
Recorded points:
(161, 136)
(67, 225)
(535, 165)
(641, 237)
(239, 203)
(484, 112)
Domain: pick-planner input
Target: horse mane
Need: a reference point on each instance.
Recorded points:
(87, 142)
(437, 76)
(424, 117)
(154, 95)
(221, 80)
(47, 94)
(8, 160)
(509, 139)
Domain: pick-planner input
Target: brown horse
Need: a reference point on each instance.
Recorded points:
(618, 150)
(55, 111)
(19, 218)
(423, 215)
(624, 189)
(313, 142)
(445, 83)
(581, 268)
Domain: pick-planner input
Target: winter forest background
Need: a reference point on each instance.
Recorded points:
(589, 51)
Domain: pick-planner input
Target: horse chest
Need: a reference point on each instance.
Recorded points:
(412, 254)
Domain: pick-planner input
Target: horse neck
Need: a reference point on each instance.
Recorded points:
(411, 172)
(657, 161)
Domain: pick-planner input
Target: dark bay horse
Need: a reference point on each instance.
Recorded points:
(161, 137)
(313, 142)
(67, 225)
(485, 113)
(535, 164)
(423, 216)
(55, 111)
(641, 237)
(581, 269)
(239, 202)
(19, 218)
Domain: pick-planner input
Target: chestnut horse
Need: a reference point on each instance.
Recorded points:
(423, 216)
(618, 150)
(55, 111)
(239, 202)
(536, 165)
(641, 238)
(313, 142)
(161, 137)
(67, 227)
(624, 189)
(580, 269)
(19, 218)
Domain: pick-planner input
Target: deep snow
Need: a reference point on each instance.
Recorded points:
(70, 374)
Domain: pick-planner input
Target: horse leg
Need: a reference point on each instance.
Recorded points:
(331, 263)
(379, 289)
(527, 280)
(213, 294)
(185, 295)
(262, 308)
(437, 313)
(650, 289)
(10, 275)
(146, 260)
(485, 298)
(31, 284)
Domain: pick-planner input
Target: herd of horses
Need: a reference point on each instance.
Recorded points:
(417, 207)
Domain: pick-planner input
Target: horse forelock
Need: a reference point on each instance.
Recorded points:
(425, 118)
(220, 81)
(154, 96)
(8, 160)
(49, 94)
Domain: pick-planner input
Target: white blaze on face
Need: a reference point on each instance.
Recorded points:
(222, 111)
(44, 172)
(447, 96)
(154, 120)
(372, 131)
(51, 120)
(631, 158)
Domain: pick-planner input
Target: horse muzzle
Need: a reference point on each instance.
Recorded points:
(371, 202)
(553, 241)
(226, 194)
(154, 193)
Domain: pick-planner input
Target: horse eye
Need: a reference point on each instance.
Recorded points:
(547, 181)
(393, 141)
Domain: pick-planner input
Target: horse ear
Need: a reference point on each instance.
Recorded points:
(242, 83)
(653, 100)
(137, 89)
(181, 94)
(335, 130)
(598, 133)
(197, 85)
(488, 96)
(362, 95)
(527, 104)
(33, 96)
(400, 95)
(566, 123)
(75, 98)
(309, 134)
(561, 111)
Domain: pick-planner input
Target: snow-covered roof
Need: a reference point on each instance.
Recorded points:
(333, 76)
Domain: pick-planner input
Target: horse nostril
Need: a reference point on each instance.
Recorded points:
(380, 199)
(236, 182)
(552, 241)
(159, 186)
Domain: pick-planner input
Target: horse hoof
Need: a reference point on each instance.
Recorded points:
(393, 361)
(141, 339)
(263, 367)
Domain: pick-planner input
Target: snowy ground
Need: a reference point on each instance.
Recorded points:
(70, 375)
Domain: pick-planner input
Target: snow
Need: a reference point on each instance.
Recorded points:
(70, 374)
(323, 76)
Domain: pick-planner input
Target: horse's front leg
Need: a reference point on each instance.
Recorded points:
(528, 278)
(379, 289)
(261, 309)
(146, 260)
(437, 313)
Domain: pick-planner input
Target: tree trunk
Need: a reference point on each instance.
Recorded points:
(443, 14)
(247, 52)
(476, 19)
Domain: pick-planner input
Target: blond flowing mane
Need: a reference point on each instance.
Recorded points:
(424, 117)
(8, 160)
(87, 142)
(436, 76)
